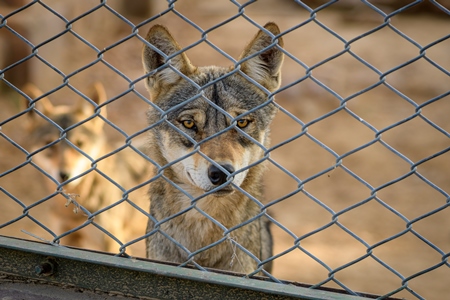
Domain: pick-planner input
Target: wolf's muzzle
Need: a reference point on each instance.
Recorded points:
(216, 176)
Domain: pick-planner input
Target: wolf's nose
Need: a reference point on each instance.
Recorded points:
(64, 176)
(218, 177)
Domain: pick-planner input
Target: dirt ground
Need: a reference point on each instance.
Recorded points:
(346, 174)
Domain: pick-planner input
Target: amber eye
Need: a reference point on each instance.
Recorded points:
(189, 124)
(51, 149)
(79, 143)
(242, 123)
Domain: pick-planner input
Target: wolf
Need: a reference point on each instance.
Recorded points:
(65, 157)
(209, 129)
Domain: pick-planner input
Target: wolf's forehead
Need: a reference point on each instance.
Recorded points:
(216, 96)
(213, 88)
(48, 131)
(65, 121)
(227, 91)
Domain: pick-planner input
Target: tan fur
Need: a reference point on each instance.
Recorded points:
(198, 202)
(63, 162)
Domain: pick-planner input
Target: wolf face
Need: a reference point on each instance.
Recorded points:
(211, 133)
(65, 148)
(63, 159)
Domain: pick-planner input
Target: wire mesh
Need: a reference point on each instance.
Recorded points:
(365, 209)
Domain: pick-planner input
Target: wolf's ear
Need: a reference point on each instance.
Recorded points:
(265, 67)
(44, 105)
(97, 94)
(161, 38)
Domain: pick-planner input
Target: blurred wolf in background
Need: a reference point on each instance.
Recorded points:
(62, 159)
(211, 148)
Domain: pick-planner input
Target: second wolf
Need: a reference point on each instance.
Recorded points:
(66, 156)
(209, 134)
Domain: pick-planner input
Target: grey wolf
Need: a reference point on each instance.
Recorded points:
(209, 150)
(65, 158)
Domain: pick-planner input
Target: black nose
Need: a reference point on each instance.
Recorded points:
(218, 177)
(63, 175)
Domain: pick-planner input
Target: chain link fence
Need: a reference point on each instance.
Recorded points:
(358, 183)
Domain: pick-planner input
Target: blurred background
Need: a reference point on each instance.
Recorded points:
(315, 82)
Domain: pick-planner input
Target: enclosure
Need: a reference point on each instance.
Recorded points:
(357, 183)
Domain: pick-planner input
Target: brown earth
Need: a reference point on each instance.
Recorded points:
(332, 176)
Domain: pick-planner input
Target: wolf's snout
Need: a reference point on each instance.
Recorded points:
(216, 176)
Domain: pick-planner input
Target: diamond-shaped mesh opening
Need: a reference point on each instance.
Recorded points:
(376, 106)
(306, 101)
(334, 247)
(412, 191)
(94, 28)
(358, 78)
(408, 80)
(429, 222)
(409, 134)
(120, 54)
(301, 150)
(303, 208)
(428, 169)
(331, 46)
(382, 168)
(335, 128)
(297, 264)
(13, 148)
(362, 221)
(344, 190)
(19, 214)
(434, 53)
(395, 255)
(435, 112)
(426, 290)
(85, 55)
(421, 30)
(398, 49)
(381, 280)
(51, 27)
(23, 227)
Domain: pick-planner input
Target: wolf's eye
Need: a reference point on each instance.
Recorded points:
(242, 123)
(79, 143)
(48, 142)
(50, 149)
(189, 124)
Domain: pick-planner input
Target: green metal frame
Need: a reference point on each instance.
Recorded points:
(139, 277)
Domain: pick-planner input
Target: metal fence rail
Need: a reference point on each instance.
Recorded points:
(114, 54)
(142, 278)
